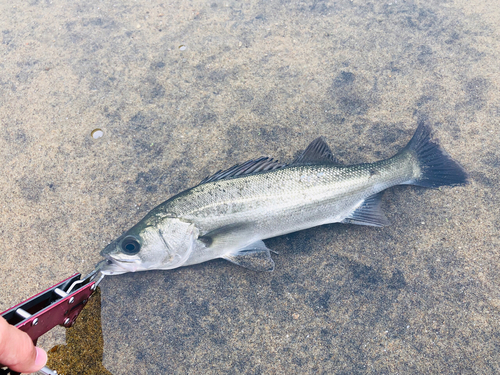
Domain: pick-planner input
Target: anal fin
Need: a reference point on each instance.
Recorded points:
(255, 257)
(368, 212)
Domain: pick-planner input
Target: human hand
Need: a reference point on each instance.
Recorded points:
(17, 351)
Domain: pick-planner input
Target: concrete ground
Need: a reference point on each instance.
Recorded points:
(182, 89)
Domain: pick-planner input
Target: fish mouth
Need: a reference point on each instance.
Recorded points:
(113, 267)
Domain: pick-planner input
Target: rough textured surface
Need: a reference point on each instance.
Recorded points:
(84, 349)
(182, 89)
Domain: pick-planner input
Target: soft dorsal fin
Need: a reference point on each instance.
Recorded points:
(317, 152)
(251, 166)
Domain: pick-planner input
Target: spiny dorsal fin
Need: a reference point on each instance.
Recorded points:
(251, 166)
(317, 152)
(368, 212)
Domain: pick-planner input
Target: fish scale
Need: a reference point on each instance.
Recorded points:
(298, 189)
(229, 213)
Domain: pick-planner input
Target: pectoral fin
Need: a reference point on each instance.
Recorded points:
(255, 257)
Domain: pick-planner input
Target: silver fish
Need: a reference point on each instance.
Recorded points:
(229, 214)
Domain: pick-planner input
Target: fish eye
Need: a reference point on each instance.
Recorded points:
(130, 246)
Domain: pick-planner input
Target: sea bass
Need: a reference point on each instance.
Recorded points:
(229, 214)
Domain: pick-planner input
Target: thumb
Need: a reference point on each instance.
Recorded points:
(17, 350)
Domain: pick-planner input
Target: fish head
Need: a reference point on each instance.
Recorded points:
(149, 245)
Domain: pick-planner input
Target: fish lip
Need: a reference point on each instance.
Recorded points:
(110, 258)
(112, 267)
(110, 261)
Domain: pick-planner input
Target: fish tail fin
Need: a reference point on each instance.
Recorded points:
(437, 168)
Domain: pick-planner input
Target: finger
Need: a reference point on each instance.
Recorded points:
(17, 350)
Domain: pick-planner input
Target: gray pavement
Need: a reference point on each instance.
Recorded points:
(183, 89)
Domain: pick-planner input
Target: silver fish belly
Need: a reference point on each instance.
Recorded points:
(229, 214)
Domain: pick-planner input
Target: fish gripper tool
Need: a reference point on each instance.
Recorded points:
(58, 305)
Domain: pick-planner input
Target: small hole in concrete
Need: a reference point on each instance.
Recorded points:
(97, 133)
